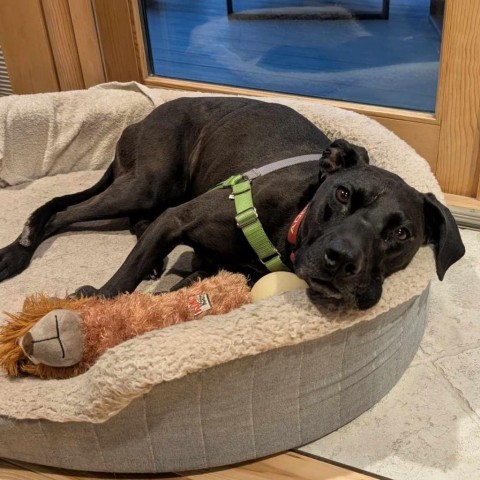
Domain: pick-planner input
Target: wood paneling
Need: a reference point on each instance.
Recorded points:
(88, 46)
(14, 470)
(291, 466)
(118, 40)
(286, 466)
(26, 46)
(63, 44)
(138, 35)
(462, 202)
(458, 106)
(423, 137)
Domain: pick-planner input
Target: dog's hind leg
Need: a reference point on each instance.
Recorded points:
(158, 240)
(191, 279)
(138, 224)
(15, 257)
(124, 197)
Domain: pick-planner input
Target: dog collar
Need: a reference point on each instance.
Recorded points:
(293, 230)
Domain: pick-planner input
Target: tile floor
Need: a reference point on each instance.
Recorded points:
(428, 426)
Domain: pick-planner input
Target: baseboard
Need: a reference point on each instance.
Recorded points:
(466, 210)
(466, 218)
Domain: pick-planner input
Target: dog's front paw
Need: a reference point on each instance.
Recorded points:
(13, 259)
(86, 291)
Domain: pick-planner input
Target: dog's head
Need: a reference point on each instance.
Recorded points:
(365, 223)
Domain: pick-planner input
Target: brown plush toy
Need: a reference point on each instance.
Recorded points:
(61, 338)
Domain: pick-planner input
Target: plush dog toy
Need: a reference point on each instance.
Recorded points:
(60, 338)
(55, 338)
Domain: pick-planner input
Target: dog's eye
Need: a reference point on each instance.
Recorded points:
(342, 194)
(401, 234)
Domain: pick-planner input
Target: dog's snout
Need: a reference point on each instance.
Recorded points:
(343, 258)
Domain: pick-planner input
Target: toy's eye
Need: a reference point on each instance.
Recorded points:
(342, 194)
(401, 234)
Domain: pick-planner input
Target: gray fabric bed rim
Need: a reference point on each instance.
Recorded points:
(273, 401)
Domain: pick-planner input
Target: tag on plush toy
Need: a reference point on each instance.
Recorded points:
(199, 304)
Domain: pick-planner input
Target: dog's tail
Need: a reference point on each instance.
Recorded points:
(33, 231)
(61, 203)
(99, 187)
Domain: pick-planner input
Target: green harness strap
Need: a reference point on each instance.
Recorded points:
(248, 221)
(247, 217)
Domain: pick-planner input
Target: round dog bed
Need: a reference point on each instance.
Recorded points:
(265, 378)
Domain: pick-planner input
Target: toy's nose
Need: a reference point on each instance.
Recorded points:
(343, 258)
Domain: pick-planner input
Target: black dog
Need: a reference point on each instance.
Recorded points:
(362, 223)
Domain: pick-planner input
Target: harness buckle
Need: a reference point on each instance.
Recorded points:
(271, 256)
(246, 218)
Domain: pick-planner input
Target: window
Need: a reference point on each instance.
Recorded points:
(378, 52)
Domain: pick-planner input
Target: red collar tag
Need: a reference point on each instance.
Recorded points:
(293, 230)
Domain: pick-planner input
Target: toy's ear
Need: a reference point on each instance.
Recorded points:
(442, 231)
(342, 154)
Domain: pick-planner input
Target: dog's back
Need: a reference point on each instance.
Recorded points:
(202, 141)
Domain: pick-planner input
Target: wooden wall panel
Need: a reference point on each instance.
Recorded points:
(458, 106)
(423, 137)
(26, 46)
(90, 56)
(63, 44)
(284, 466)
(118, 40)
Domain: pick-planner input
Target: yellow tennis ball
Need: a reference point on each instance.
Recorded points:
(276, 283)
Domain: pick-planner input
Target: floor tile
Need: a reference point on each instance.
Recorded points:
(454, 321)
(463, 372)
(419, 431)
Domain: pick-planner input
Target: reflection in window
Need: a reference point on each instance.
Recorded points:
(352, 50)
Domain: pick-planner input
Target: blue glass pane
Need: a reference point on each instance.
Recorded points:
(316, 48)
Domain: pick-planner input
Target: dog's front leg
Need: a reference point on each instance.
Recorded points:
(158, 240)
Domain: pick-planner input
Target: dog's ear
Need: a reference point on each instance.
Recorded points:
(442, 231)
(342, 154)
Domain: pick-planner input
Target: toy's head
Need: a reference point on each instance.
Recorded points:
(42, 330)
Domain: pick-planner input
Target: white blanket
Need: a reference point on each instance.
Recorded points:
(53, 133)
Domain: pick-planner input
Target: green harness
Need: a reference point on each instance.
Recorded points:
(247, 217)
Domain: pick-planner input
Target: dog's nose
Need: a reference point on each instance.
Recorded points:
(342, 258)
